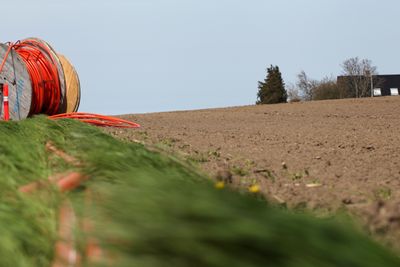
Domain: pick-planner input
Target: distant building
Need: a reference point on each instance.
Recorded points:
(383, 85)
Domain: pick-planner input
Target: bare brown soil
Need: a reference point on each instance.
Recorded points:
(322, 156)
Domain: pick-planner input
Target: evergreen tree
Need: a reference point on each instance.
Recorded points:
(272, 90)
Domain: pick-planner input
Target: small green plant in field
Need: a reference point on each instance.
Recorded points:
(249, 163)
(241, 171)
(198, 157)
(384, 193)
(169, 142)
(214, 153)
(297, 176)
(244, 168)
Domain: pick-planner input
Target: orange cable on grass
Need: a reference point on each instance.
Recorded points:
(97, 120)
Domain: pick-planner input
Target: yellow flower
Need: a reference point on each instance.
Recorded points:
(220, 185)
(254, 188)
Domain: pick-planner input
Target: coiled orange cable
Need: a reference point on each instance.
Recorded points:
(42, 69)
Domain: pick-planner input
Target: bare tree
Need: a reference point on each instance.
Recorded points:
(306, 86)
(358, 76)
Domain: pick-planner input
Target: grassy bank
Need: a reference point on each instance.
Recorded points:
(150, 210)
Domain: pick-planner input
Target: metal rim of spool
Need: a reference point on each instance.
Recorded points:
(17, 77)
(63, 102)
(73, 89)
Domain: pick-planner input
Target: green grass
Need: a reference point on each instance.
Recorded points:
(150, 210)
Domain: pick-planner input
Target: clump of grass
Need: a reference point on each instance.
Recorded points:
(198, 157)
(297, 176)
(214, 153)
(383, 193)
(241, 171)
(169, 142)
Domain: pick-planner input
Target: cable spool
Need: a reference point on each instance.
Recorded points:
(16, 75)
(43, 82)
(40, 81)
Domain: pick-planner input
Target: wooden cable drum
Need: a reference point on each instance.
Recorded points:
(17, 77)
(40, 81)
(73, 95)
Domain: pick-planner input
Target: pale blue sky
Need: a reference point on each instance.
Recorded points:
(137, 56)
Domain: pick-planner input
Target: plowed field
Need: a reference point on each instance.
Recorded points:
(322, 156)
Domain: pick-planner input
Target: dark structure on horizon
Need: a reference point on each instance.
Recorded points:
(388, 84)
